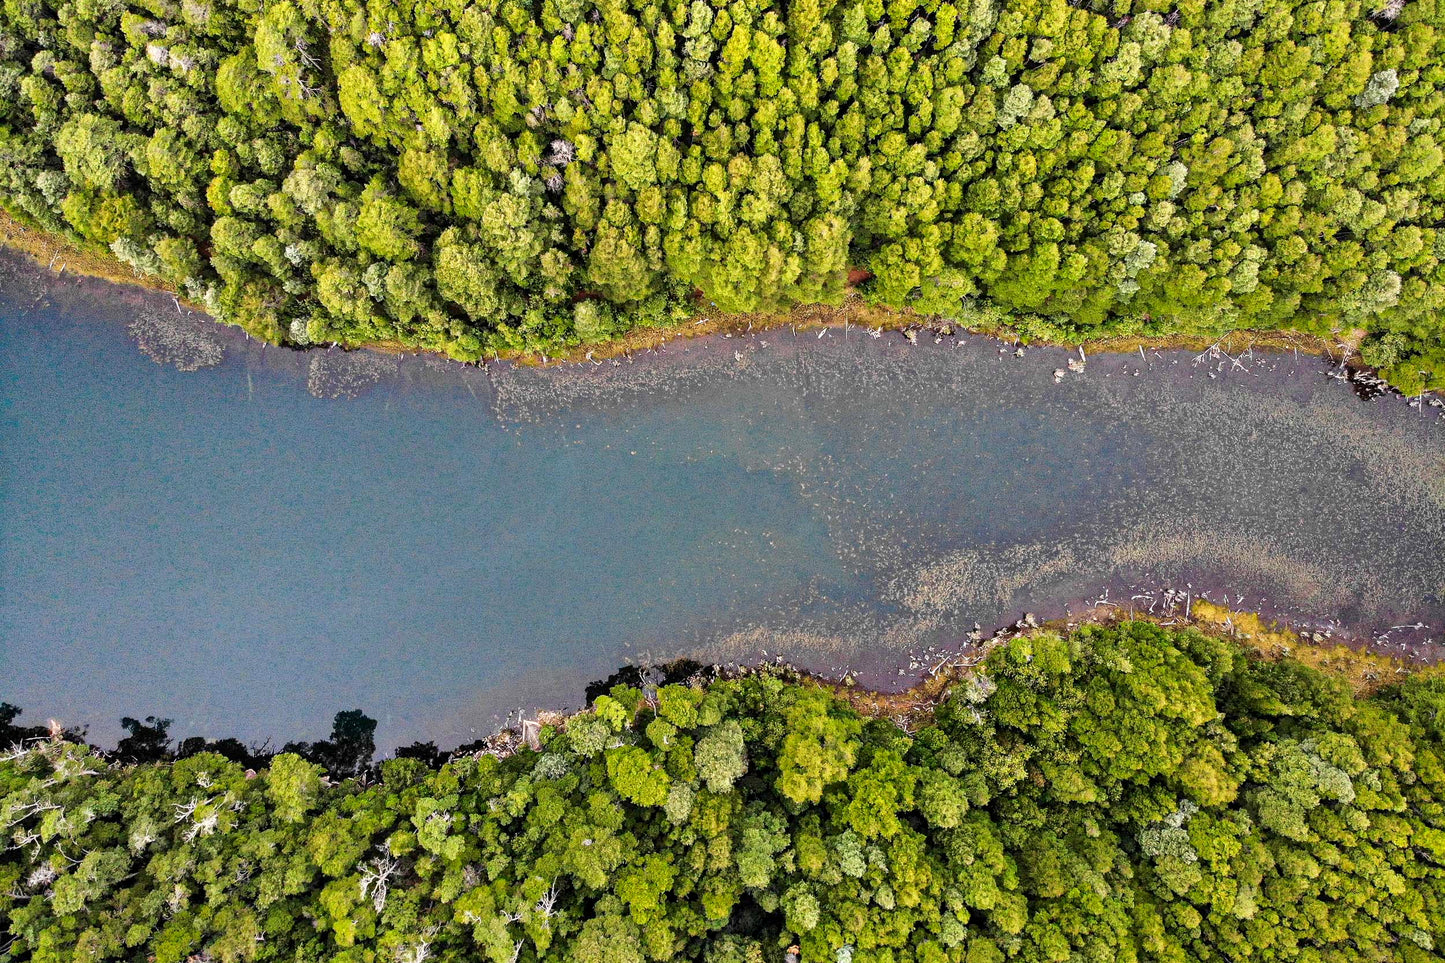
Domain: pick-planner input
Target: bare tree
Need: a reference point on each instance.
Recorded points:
(374, 880)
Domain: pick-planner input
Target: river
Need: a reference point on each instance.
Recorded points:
(247, 539)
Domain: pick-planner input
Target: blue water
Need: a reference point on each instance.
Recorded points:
(238, 549)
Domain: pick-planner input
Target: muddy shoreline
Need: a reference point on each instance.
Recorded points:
(196, 340)
(1353, 661)
(56, 255)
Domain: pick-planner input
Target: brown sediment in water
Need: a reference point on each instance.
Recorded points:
(63, 256)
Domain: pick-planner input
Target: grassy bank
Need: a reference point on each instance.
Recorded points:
(1363, 671)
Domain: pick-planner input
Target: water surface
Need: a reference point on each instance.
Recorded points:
(248, 539)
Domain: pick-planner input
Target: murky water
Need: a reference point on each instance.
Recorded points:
(248, 539)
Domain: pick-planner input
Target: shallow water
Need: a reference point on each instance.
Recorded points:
(247, 539)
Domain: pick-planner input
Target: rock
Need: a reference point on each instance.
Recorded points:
(1018, 352)
(1058, 375)
(1076, 365)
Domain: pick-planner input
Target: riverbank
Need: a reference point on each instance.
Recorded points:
(1350, 660)
(61, 256)
(1365, 672)
(728, 819)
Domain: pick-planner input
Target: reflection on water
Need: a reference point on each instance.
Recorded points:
(248, 539)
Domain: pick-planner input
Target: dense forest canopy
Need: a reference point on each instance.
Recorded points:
(1122, 794)
(482, 175)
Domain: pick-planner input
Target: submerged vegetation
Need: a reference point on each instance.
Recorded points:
(1123, 793)
(500, 175)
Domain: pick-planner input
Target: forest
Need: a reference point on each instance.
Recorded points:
(1125, 793)
(488, 176)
